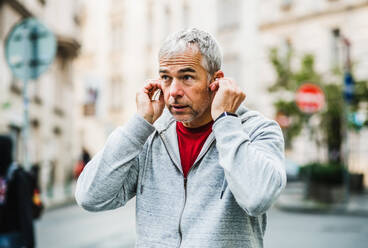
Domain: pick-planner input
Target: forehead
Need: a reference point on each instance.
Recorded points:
(188, 58)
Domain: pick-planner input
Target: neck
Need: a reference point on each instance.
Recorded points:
(199, 122)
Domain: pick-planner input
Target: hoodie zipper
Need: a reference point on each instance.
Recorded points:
(185, 191)
(186, 181)
(182, 211)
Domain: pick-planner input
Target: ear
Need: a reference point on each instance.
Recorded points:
(218, 74)
(214, 84)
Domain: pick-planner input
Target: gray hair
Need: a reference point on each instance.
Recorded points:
(207, 45)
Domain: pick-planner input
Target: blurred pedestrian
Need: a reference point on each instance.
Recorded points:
(16, 229)
(81, 163)
(205, 170)
(85, 156)
(37, 207)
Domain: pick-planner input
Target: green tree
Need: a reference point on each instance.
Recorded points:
(288, 80)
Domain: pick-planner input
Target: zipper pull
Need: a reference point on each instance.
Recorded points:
(222, 194)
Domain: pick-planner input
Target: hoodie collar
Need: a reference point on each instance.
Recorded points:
(166, 119)
(166, 128)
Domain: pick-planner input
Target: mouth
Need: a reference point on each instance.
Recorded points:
(178, 107)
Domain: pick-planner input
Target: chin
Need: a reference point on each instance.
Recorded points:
(182, 117)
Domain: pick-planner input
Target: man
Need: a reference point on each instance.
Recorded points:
(204, 170)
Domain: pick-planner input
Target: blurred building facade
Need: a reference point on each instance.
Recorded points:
(52, 143)
(123, 39)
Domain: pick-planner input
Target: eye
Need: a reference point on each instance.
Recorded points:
(187, 77)
(165, 77)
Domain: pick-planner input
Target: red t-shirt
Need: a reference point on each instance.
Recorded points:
(190, 142)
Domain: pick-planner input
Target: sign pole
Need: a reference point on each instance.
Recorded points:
(26, 125)
(348, 97)
(25, 130)
(309, 99)
(309, 171)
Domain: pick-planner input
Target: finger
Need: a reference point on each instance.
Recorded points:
(151, 87)
(214, 85)
(148, 86)
(152, 84)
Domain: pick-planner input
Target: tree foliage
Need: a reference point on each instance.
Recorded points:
(288, 80)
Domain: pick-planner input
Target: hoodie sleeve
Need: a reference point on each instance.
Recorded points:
(109, 180)
(252, 156)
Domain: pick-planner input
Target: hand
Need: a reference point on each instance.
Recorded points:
(150, 109)
(228, 96)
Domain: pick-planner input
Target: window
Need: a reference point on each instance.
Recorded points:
(116, 94)
(185, 14)
(91, 96)
(335, 48)
(16, 86)
(43, 2)
(286, 5)
(149, 26)
(229, 13)
(37, 92)
(117, 35)
(167, 19)
(232, 65)
(61, 79)
(285, 50)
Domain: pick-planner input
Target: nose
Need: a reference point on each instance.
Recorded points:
(176, 89)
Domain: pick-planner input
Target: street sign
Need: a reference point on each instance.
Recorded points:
(348, 87)
(357, 119)
(29, 49)
(309, 98)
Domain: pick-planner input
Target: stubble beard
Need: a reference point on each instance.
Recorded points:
(194, 114)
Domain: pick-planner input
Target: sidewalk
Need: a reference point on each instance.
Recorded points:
(292, 200)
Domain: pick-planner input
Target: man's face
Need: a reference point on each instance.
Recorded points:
(185, 87)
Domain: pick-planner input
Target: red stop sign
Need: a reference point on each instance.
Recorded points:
(309, 98)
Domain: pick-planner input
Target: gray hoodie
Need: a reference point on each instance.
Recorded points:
(237, 176)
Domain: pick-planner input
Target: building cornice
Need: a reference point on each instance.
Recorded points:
(20, 8)
(298, 19)
(67, 47)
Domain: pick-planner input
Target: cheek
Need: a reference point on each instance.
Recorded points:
(166, 92)
(201, 94)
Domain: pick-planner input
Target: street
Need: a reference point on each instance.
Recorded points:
(299, 230)
(72, 227)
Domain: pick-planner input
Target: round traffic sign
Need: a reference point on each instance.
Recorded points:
(309, 98)
(29, 49)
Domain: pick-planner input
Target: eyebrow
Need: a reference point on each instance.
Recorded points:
(187, 69)
(183, 70)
